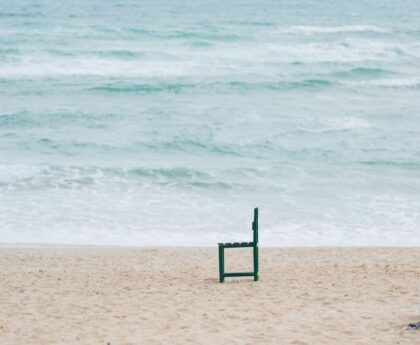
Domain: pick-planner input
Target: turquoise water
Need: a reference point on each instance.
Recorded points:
(166, 122)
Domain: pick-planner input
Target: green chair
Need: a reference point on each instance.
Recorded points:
(253, 244)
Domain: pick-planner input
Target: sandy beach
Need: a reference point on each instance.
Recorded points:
(172, 296)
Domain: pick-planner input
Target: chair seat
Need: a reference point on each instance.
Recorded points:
(236, 244)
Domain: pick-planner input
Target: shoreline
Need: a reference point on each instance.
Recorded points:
(100, 246)
(172, 295)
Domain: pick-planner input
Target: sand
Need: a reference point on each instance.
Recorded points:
(172, 296)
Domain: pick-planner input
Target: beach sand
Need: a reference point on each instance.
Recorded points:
(172, 296)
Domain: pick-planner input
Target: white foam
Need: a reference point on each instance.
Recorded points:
(13, 173)
(343, 123)
(398, 83)
(148, 215)
(219, 61)
(336, 124)
(401, 83)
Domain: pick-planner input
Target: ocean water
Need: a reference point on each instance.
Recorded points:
(165, 122)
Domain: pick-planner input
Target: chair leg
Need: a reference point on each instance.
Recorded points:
(221, 264)
(255, 263)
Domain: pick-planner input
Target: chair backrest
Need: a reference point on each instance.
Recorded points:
(255, 225)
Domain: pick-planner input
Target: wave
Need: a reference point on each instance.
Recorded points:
(367, 55)
(346, 123)
(412, 165)
(214, 35)
(23, 14)
(310, 83)
(54, 119)
(406, 83)
(226, 37)
(252, 23)
(48, 176)
(313, 30)
(123, 53)
(139, 32)
(144, 88)
(113, 53)
(177, 173)
(364, 72)
(187, 145)
(280, 85)
(7, 51)
(231, 85)
(392, 83)
(201, 44)
(84, 146)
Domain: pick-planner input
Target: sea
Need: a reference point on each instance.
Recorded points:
(165, 122)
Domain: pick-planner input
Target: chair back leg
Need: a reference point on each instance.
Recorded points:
(255, 262)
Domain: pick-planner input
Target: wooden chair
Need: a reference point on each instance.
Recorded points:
(253, 244)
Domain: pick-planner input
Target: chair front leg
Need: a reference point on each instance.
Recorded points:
(221, 264)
